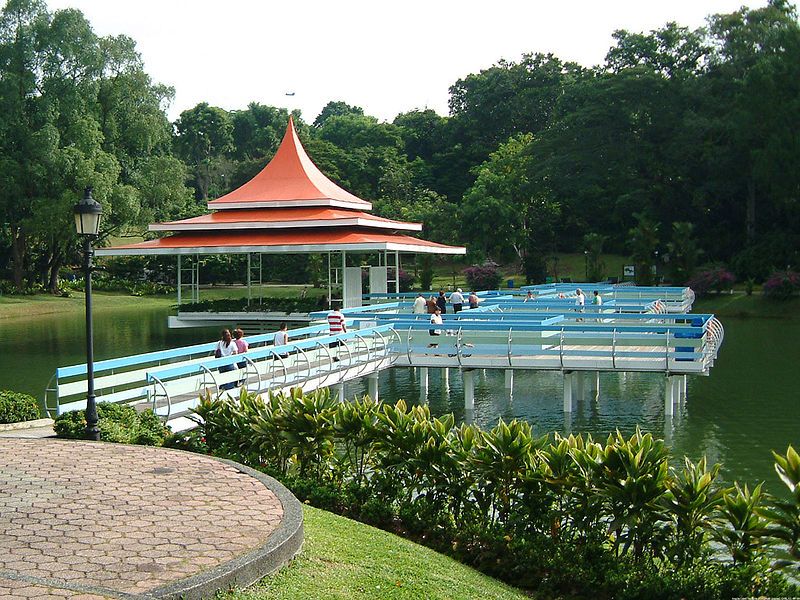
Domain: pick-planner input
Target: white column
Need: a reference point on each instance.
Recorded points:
(372, 386)
(340, 391)
(249, 288)
(469, 389)
(669, 398)
(580, 385)
(397, 273)
(179, 282)
(509, 379)
(330, 282)
(568, 383)
(423, 385)
(446, 380)
(343, 278)
(684, 387)
(594, 384)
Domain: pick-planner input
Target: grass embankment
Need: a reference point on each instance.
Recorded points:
(741, 305)
(28, 307)
(347, 559)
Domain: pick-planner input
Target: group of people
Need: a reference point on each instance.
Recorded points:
(439, 303)
(234, 343)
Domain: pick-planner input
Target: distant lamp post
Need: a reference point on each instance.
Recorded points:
(87, 222)
(586, 265)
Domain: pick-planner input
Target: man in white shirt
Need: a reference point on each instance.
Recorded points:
(420, 305)
(457, 300)
(580, 301)
(282, 336)
(436, 319)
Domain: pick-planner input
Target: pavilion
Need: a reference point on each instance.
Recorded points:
(290, 207)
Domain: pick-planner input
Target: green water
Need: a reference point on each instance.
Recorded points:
(748, 406)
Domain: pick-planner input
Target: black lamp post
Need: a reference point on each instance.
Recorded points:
(586, 265)
(87, 223)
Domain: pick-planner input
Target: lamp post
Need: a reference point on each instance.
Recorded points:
(586, 265)
(87, 223)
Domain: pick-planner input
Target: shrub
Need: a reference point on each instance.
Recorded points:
(267, 304)
(567, 517)
(486, 277)
(16, 407)
(406, 281)
(782, 284)
(713, 279)
(117, 423)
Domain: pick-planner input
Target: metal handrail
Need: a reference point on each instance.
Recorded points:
(666, 352)
(330, 363)
(510, 329)
(408, 345)
(213, 379)
(166, 395)
(283, 366)
(308, 361)
(614, 348)
(255, 368)
(369, 354)
(561, 349)
(349, 354)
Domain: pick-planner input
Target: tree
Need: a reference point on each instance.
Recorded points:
(507, 217)
(643, 245)
(204, 134)
(684, 253)
(336, 109)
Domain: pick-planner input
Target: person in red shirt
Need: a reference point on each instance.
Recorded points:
(336, 325)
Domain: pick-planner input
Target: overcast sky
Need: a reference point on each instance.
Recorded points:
(387, 57)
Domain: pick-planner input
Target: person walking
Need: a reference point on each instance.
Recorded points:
(441, 302)
(226, 347)
(473, 299)
(597, 299)
(580, 301)
(436, 319)
(281, 336)
(336, 325)
(530, 297)
(457, 300)
(242, 346)
(431, 305)
(419, 305)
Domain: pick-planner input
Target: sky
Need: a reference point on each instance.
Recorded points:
(386, 57)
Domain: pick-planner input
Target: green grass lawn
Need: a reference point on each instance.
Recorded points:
(344, 559)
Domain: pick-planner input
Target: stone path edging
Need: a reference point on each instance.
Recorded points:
(283, 544)
(26, 424)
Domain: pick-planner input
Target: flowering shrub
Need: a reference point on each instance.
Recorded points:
(486, 277)
(782, 284)
(715, 279)
(406, 281)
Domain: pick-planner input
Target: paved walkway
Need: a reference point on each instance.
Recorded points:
(88, 520)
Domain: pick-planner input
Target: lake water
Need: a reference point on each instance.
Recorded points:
(749, 405)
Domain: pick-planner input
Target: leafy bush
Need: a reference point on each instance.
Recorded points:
(406, 281)
(713, 279)
(563, 516)
(268, 304)
(485, 277)
(781, 285)
(16, 407)
(117, 423)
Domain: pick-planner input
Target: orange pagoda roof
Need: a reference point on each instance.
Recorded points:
(289, 218)
(290, 179)
(275, 242)
(290, 206)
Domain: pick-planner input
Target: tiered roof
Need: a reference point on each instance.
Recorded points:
(290, 206)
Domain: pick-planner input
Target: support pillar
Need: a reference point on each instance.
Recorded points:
(446, 380)
(179, 282)
(509, 379)
(469, 389)
(569, 378)
(423, 384)
(580, 385)
(372, 386)
(594, 384)
(684, 387)
(344, 279)
(669, 395)
(340, 391)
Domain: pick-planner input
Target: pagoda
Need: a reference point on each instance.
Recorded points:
(292, 207)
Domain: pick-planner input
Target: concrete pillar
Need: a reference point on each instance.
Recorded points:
(669, 396)
(580, 385)
(423, 384)
(340, 391)
(469, 389)
(509, 379)
(594, 384)
(372, 386)
(684, 387)
(569, 380)
(446, 380)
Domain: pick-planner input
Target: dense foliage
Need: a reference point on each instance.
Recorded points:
(16, 407)
(782, 285)
(680, 148)
(117, 423)
(264, 304)
(562, 516)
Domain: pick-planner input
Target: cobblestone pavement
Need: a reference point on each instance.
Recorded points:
(88, 521)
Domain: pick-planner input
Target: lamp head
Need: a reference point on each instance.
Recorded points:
(87, 215)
